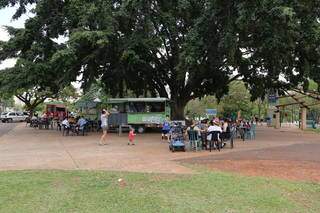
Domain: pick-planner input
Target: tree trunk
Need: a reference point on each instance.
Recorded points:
(177, 108)
(29, 107)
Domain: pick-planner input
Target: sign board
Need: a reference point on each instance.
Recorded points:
(146, 118)
(213, 112)
(273, 99)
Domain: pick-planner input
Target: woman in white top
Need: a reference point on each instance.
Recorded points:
(214, 126)
(104, 126)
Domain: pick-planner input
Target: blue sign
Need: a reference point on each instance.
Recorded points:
(213, 112)
(273, 99)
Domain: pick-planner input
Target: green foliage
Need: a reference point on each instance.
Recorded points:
(94, 92)
(237, 99)
(313, 86)
(67, 93)
(196, 108)
(194, 48)
(279, 38)
(6, 101)
(39, 108)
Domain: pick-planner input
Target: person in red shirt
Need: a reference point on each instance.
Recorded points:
(131, 136)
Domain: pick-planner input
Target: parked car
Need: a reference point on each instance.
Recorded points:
(2, 115)
(13, 116)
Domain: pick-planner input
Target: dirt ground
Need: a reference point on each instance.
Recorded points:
(25, 148)
(287, 153)
(6, 127)
(290, 154)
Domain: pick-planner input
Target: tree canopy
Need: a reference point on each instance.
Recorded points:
(229, 105)
(178, 49)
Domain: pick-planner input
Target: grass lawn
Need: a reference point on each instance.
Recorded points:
(91, 191)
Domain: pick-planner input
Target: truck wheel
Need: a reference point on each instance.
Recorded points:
(141, 129)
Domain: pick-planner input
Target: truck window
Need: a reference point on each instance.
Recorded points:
(156, 106)
(137, 107)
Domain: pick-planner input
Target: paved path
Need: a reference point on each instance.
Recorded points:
(28, 148)
(6, 127)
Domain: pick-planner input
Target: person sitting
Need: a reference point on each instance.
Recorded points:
(44, 116)
(194, 126)
(81, 123)
(66, 125)
(34, 121)
(203, 126)
(72, 120)
(214, 128)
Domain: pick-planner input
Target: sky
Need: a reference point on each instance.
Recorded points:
(6, 20)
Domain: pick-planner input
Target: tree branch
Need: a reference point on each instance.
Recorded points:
(21, 98)
(234, 78)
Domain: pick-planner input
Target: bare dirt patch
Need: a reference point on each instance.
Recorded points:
(292, 162)
(289, 170)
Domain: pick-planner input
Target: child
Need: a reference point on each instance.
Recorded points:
(166, 129)
(131, 136)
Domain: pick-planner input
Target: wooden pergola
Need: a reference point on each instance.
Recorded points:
(296, 101)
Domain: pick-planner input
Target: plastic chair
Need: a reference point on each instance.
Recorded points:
(194, 140)
(215, 141)
(65, 130)
(83, 129)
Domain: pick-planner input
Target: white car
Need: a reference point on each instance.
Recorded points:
(13, 116)
(2, 115)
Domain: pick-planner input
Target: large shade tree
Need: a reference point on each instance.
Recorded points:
(34, 77)
(179, 49)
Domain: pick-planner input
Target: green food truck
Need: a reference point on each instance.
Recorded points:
(139, 113)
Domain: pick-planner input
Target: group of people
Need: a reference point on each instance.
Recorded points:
(78, 123)
(205, 127)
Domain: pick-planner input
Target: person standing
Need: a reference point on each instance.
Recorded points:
(104, 126)
(131, 136)
(166, 129)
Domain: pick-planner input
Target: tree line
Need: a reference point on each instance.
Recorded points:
(181, 50)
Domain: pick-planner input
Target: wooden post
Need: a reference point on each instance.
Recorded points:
(120, 130)
(303, 125)
(277, 119)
